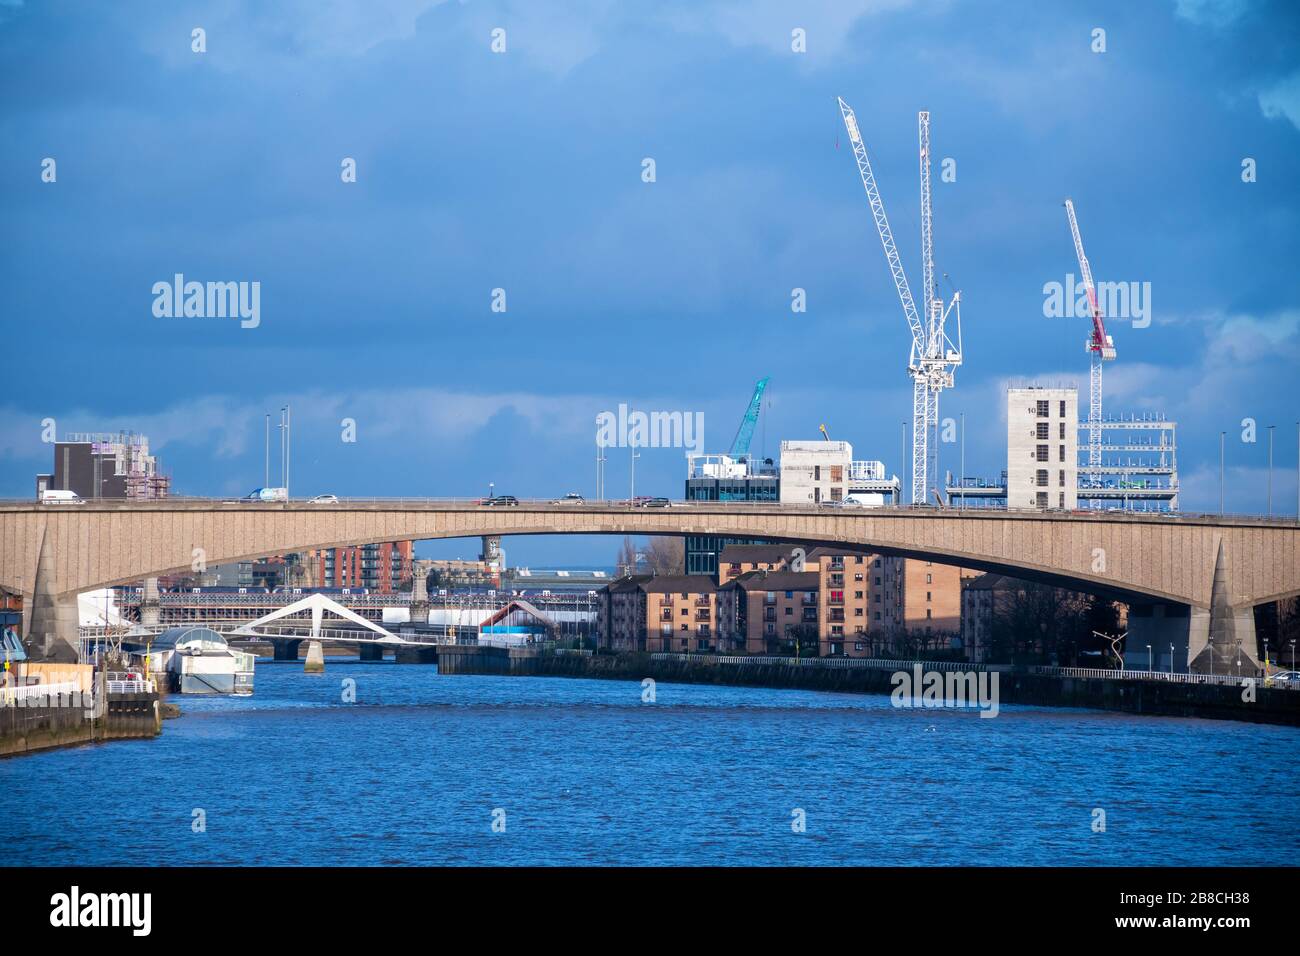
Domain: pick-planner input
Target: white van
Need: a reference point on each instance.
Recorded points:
(267, 494)
(54, 496)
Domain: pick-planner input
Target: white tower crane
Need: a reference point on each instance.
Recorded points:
(1099, 345)
(933, 355)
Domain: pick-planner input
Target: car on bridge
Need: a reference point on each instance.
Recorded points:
(645, 501)
(572, 498)
(499, 501)
(324, 500)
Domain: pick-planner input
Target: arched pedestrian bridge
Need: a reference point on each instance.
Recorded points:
(1202, 575)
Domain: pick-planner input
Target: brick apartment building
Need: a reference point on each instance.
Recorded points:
(768, 597)
(384, 568)
(665, 612)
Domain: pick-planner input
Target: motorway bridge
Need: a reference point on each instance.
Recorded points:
(1192, 580)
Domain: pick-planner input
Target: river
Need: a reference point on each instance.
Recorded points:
(417, 770)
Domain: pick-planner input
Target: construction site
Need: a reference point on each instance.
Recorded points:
(1057, 458)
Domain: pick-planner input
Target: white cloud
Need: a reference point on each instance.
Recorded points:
(1282, 99)
(768, 23)
(1211, 13)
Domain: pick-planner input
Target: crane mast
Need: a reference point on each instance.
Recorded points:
(1100, 347)
(933, 355)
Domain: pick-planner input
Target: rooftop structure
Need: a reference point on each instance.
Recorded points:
(105, 465)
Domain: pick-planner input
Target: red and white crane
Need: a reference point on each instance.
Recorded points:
(1099, 345)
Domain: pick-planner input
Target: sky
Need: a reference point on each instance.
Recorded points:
(524, 169)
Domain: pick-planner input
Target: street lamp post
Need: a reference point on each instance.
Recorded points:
(635, 456)
(1171, 658)
(962, 480)
(1222, 438)
(1150, 661)
(1270, 469)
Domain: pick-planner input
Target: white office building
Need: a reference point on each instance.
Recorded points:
(814, 471)
(1042, 448)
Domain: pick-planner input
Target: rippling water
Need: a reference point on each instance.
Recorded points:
(586, 773)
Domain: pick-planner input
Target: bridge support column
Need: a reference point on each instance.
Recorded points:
(1227, 644)
(415, 655)
(315, 663)
(419, 607)
(50, 617)
(149, 609)
(286, 650)
(371, 652)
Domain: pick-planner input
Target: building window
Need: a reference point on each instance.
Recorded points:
(1042, 453)
(1041, 478)
(928, 614)
(1061, 473)
(1062, 408)
(1042, 499)
(1062, 431)
(1043, 409)
(1062, 499)
(1042, 430)
(929, 579)
(1061, 449)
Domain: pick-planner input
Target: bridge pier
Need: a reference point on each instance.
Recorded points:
(1229, 642)
(1219, 639)
(371, 652)
(149, 605)
(415, 655)
(419, 607)
(50, 618)
(1222, 646)
(286, 650)
(315, 663)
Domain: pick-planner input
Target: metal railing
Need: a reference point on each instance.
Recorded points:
(22, 693)
(128, 683)
(1102, 673)
(624, 505)
(867, 663)
(304, 632)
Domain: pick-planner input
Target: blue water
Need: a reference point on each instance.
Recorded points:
(588, 774)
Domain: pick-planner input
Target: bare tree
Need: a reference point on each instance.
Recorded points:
(1038, 623)
(626, 562)
(666, 555)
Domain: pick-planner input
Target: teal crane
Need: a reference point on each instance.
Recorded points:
(740, 444)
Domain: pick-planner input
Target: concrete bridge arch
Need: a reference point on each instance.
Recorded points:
(1216, 569)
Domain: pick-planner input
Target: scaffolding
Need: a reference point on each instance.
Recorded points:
(1139, 465)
